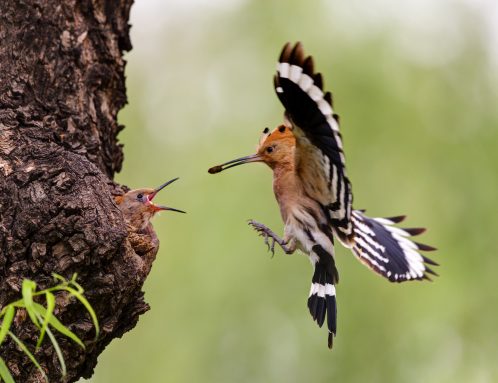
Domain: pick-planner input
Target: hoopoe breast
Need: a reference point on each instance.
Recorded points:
(309, 227)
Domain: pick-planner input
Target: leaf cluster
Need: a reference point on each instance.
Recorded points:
(42, 316)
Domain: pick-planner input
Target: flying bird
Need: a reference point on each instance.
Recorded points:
(315, 196)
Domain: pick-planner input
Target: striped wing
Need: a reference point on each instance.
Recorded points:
(319, 154)
(389, 250)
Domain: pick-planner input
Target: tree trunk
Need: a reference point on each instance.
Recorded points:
(61, 87)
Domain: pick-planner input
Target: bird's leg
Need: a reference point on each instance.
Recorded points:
(288, 246)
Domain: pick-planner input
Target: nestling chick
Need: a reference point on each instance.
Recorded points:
(138, 209)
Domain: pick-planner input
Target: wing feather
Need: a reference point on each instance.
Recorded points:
(320, 160)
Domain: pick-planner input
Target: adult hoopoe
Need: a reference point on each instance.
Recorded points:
(138, 209)
(315, 196)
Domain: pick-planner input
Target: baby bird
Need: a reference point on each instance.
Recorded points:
(315, 195)
(138, 209)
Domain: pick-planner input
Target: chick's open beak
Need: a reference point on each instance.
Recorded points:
(159, 188)
(236, 162)
(161, 207)
(151, 196)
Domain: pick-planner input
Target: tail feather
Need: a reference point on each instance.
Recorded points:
(321, 308)
(331, 318)
(396, 219)
(388, 250)
(322, 300)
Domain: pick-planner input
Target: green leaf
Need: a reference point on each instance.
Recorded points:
(28, 287)
(73, 278)
(4, 309)
(56, 324)
(88, 307)
(59, 277)
(5, 373)
(48, 315)
(78, 287)
(7, 320)
(57, 351)
(18, 303)
(28, 353)
(44, 319)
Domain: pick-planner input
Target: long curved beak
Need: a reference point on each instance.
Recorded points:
(161, 207)
(157, 190)
(237, 162)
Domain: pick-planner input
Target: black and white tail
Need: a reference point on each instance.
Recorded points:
(322, 300)
(388, 250)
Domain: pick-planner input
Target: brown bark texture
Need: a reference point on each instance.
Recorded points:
(61, 87)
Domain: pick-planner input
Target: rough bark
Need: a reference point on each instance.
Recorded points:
(61, 87)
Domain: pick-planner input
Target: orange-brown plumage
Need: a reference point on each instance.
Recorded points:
(276, 148)
(138, 209)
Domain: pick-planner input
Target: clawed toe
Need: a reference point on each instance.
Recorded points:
(270, 238)
(267, 243)
(272, 247)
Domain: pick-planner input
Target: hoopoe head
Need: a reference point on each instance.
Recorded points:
(137, 206)
(275, 148)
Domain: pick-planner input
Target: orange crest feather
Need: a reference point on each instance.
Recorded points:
(280, 133)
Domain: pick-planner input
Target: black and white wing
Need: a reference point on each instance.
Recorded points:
(320, 164)
(388, 250)
(320, 159)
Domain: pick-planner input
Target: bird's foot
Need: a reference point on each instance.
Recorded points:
(270, 237)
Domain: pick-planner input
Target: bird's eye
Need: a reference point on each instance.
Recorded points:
(140, 196)
(281, 129)
(269, 149)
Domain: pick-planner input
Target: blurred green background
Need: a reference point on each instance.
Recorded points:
(415, 83)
